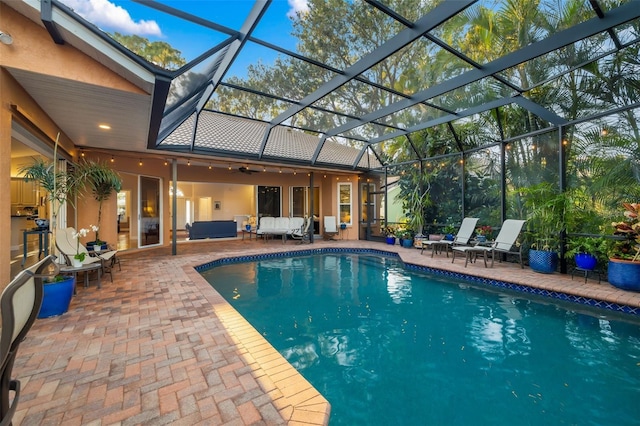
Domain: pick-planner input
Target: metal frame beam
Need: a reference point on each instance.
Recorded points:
(618, 16)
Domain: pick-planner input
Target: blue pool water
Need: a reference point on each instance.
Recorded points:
(387, 346)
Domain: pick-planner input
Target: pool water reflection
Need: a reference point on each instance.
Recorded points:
(389, 346)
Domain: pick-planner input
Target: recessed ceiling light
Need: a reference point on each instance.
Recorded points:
(104, 126)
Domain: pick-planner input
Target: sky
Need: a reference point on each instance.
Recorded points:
(130, 18)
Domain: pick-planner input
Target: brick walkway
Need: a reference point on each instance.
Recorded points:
(160, 346)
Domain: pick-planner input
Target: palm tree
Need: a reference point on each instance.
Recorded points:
(101, 181)
(60, 185)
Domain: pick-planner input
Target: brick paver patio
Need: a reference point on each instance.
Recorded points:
(160, 346)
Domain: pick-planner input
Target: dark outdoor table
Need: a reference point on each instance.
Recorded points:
(89, 267)
(43, 242)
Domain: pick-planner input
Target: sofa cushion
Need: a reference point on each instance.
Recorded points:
(281, 224)
(213, 229)
(266, 224)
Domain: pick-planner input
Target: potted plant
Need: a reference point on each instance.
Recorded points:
(389, 233)
(57, 294)
(624, 253)
(400, 231)
(78, 258)
(483, 232)
(101, 181)
(407, 239)
(585, 251)
(414, 207)
(545, 222)
(449, 230)
(60, 186)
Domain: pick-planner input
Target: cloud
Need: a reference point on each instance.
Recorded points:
(297, 6)
(109, 16)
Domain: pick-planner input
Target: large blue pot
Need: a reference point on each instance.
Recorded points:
(586, 261)
(624, 274)
(57, 297)
(391, 240)
(407, 242)
(543, 261)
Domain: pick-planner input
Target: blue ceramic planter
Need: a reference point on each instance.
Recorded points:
(543, 261)
(57, 297)
(391, 240)
(407, 243)
(586, 261)
(624, 274)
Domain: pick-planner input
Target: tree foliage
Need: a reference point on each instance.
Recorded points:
(603, 169)
(159, 53)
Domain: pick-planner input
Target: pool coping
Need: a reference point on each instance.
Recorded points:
(297, 401)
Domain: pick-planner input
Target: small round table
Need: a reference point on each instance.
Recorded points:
(86, 269)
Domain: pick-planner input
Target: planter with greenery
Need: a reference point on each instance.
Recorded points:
(57, 295)
(586, 252)
(483, 232)
(389, 233)
(449, 231)
(406, 239)
(60, 187)
(545, 222)
(624, 253)
(414, 206)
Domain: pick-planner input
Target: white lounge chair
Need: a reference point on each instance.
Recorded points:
(69, 247)
(503, 243)
(330, 228)
(462, 238)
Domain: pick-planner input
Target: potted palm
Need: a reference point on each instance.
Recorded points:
(415, 205)
(545, 222)
(60, 186)
(102, 181)
(624, 253)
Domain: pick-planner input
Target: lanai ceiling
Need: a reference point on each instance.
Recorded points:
(344, 95)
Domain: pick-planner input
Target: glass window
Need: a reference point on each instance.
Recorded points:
(344, 202)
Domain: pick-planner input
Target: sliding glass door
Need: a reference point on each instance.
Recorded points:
(149, 211)
(269, 201)
(301, 204)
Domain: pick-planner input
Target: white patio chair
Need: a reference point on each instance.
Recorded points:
(462, 238)
(330, 228)
(503, 243)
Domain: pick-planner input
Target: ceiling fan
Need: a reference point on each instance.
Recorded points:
(246, 170)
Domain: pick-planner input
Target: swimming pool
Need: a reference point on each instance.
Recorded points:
(389, 346)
